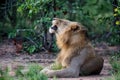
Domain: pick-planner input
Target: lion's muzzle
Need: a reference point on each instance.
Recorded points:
(53, 29)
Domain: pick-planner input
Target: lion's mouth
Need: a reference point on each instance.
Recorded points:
(53, 29)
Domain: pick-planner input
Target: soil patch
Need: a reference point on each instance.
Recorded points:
(9, 57)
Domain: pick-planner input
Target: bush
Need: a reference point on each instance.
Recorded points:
(33, 18)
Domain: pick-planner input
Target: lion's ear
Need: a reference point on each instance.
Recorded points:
(74, 27)
(77, 27)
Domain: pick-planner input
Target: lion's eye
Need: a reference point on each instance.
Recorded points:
(54, 21)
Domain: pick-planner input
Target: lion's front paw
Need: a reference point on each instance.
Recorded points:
(48, 72)
(44, 71)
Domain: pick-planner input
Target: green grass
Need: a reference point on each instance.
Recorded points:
(33, 73)
(115, 63)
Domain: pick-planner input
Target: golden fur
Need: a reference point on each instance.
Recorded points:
(77, 56)
(70, 41)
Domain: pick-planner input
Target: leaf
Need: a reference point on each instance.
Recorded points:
(91, 1)
(30, 11)
(2, 78)
(31, 49)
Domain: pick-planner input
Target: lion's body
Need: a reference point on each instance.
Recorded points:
(71, 47)
(77, 56)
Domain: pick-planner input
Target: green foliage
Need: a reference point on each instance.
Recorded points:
(114, 38)
(34, 69)
(4, 74)
(33, 18)
(117, 14)
(6, 28)
(31, 49)
(38, 13)
(18, 71)
(33, 7)
(33, 73)
(115, 62)
(96, 15)
(113, 77)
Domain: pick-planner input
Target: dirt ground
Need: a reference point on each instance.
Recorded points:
(9, 57)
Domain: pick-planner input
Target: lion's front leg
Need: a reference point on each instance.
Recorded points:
(59, 58)
(72, 70)
(66, 60)
(67, 72)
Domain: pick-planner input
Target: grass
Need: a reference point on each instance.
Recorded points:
(115, 63)
(34, 69)
(56, 66)
(33, 73)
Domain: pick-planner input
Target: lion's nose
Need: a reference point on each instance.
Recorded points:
(54, 27)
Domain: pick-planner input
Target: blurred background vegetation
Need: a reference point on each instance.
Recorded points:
(27, 21)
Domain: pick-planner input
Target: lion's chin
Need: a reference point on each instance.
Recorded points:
(51, 31)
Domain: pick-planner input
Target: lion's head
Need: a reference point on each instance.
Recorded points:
(60, 26)
(67, 32)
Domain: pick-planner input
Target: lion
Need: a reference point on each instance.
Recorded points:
(77, 56)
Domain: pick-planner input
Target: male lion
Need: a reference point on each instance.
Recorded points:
(77, 56)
